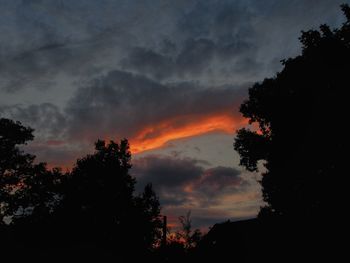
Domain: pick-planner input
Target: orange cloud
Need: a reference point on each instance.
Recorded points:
(157, 135)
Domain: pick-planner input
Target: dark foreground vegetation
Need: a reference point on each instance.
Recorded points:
(92, 212)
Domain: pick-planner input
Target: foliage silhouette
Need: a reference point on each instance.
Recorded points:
(189, 237)
(99, 196)
(299, 113)
(14, 164)
(181, 244)
(27, 189)
(92, 206)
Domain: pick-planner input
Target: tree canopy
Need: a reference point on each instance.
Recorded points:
(93, 205)
(301, 114)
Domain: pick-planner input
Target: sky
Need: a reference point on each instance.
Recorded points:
(167, 75)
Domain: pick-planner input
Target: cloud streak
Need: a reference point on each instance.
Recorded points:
(158, 135)
(190, 184)
(150, 114)
(122, 104)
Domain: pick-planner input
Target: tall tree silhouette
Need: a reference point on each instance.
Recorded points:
(99, 206)
(146, 221)
(301, 114)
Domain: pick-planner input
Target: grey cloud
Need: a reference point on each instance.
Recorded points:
(219, 41)
(197, 58)
(149, 62)
(56, 153)
(122, 103)
(48, 121)
(167, 171)
(227, 23)
(230, 41)
(48, 39)
(181, 181)
(215, 183)
(50, 126)
(217, 178)
(42, 67)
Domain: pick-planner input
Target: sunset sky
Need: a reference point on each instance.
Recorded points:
(167, 75)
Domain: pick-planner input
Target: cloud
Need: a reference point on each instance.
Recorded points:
(122, 104)
(186, 181)
(149, 62)
(48, 121)
(217, 178)
(167, 171)
(50, 127)
(44, 43)
(47, 43)
(196, 59)
(212, 193)
(228, 41)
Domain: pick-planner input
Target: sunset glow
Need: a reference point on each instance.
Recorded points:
(157, 135)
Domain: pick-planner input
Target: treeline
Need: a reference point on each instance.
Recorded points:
(89, 212)
(94, 205)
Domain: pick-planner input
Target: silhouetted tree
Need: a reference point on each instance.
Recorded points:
(187, 235)
(180, 245)
(301, 114)
(98, 204)
(93, 205)
(148, 223)
(28, 191)
(98, 193)
(14, 163)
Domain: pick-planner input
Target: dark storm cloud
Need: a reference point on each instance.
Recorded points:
(220, 20)
(196, 40)
(217, 178)
(209, 34)
(183, 182)
(121, 104)
(232, 41)
(40, 40)
(196, 58)
(167, 171)
(40, 67)
(149, 62)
